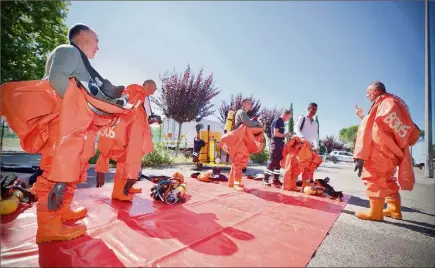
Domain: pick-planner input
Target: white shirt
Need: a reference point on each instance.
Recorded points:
(309, 131)
(147, 106)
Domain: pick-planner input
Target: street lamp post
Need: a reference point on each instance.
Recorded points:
(428, 171)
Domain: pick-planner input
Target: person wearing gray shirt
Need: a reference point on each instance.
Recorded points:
(66, 61)
(242, 117)
(63, 63)
(72, 60)
(65, 162)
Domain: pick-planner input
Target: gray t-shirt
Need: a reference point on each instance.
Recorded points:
(242, 117)
(63, 63)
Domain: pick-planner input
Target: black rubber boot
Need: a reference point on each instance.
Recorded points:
(266, 179)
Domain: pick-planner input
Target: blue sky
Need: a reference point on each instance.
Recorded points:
(280, 52)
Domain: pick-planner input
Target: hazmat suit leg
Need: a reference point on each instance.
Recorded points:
(308, 173)
(231, 177)
(75, 145)
(291, 173)
(239, 162)
(119, 184)
(378, 176)
(393, 209)
(45, 164)
(50, 223)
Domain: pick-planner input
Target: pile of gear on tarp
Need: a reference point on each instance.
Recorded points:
(171, 189)
(168, 189)
(213, 175)
(13, 192)
(314, 187)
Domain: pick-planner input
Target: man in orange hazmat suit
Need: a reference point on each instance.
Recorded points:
(127, 142)
(382, 145)
(297, 158)
(59, 118)
(239, 144)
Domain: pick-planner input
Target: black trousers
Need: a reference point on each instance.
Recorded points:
(273, 166)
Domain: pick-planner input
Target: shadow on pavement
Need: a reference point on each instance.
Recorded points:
(430, 231)
(365, 203)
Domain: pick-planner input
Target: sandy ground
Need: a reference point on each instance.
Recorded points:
(351, 242)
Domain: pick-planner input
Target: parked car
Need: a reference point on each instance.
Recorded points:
(326, 158)
(342, 156)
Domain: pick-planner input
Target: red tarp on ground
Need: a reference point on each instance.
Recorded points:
(217, 226)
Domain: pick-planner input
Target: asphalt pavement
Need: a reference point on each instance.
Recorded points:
(392, 243)
(352, 242)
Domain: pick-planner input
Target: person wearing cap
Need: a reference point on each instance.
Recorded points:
(58, 119)
(276, 146)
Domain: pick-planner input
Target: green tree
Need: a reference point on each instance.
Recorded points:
(30, 30)
(347, 135)
(185, 97)
(291, 121)
(422, 133)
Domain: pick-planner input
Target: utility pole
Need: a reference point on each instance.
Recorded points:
(2, 133)
(428, 171)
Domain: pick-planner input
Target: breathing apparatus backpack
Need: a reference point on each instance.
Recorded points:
(12, 194)
(170, 191)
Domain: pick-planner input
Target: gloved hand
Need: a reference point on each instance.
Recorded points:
(128, 185)
(55, 197)
(100, 179)
(359, 164)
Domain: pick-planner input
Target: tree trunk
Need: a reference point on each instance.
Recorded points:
(177, 149)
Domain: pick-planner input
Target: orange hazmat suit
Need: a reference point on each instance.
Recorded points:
(126, 142)
(63, 132)
(239, 144)
(298, 158)
(383, 141)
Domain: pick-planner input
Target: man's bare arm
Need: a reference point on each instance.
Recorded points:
(64, 63)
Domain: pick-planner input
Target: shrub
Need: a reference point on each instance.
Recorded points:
(261, 157)
(161, 155)
(94, 159)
